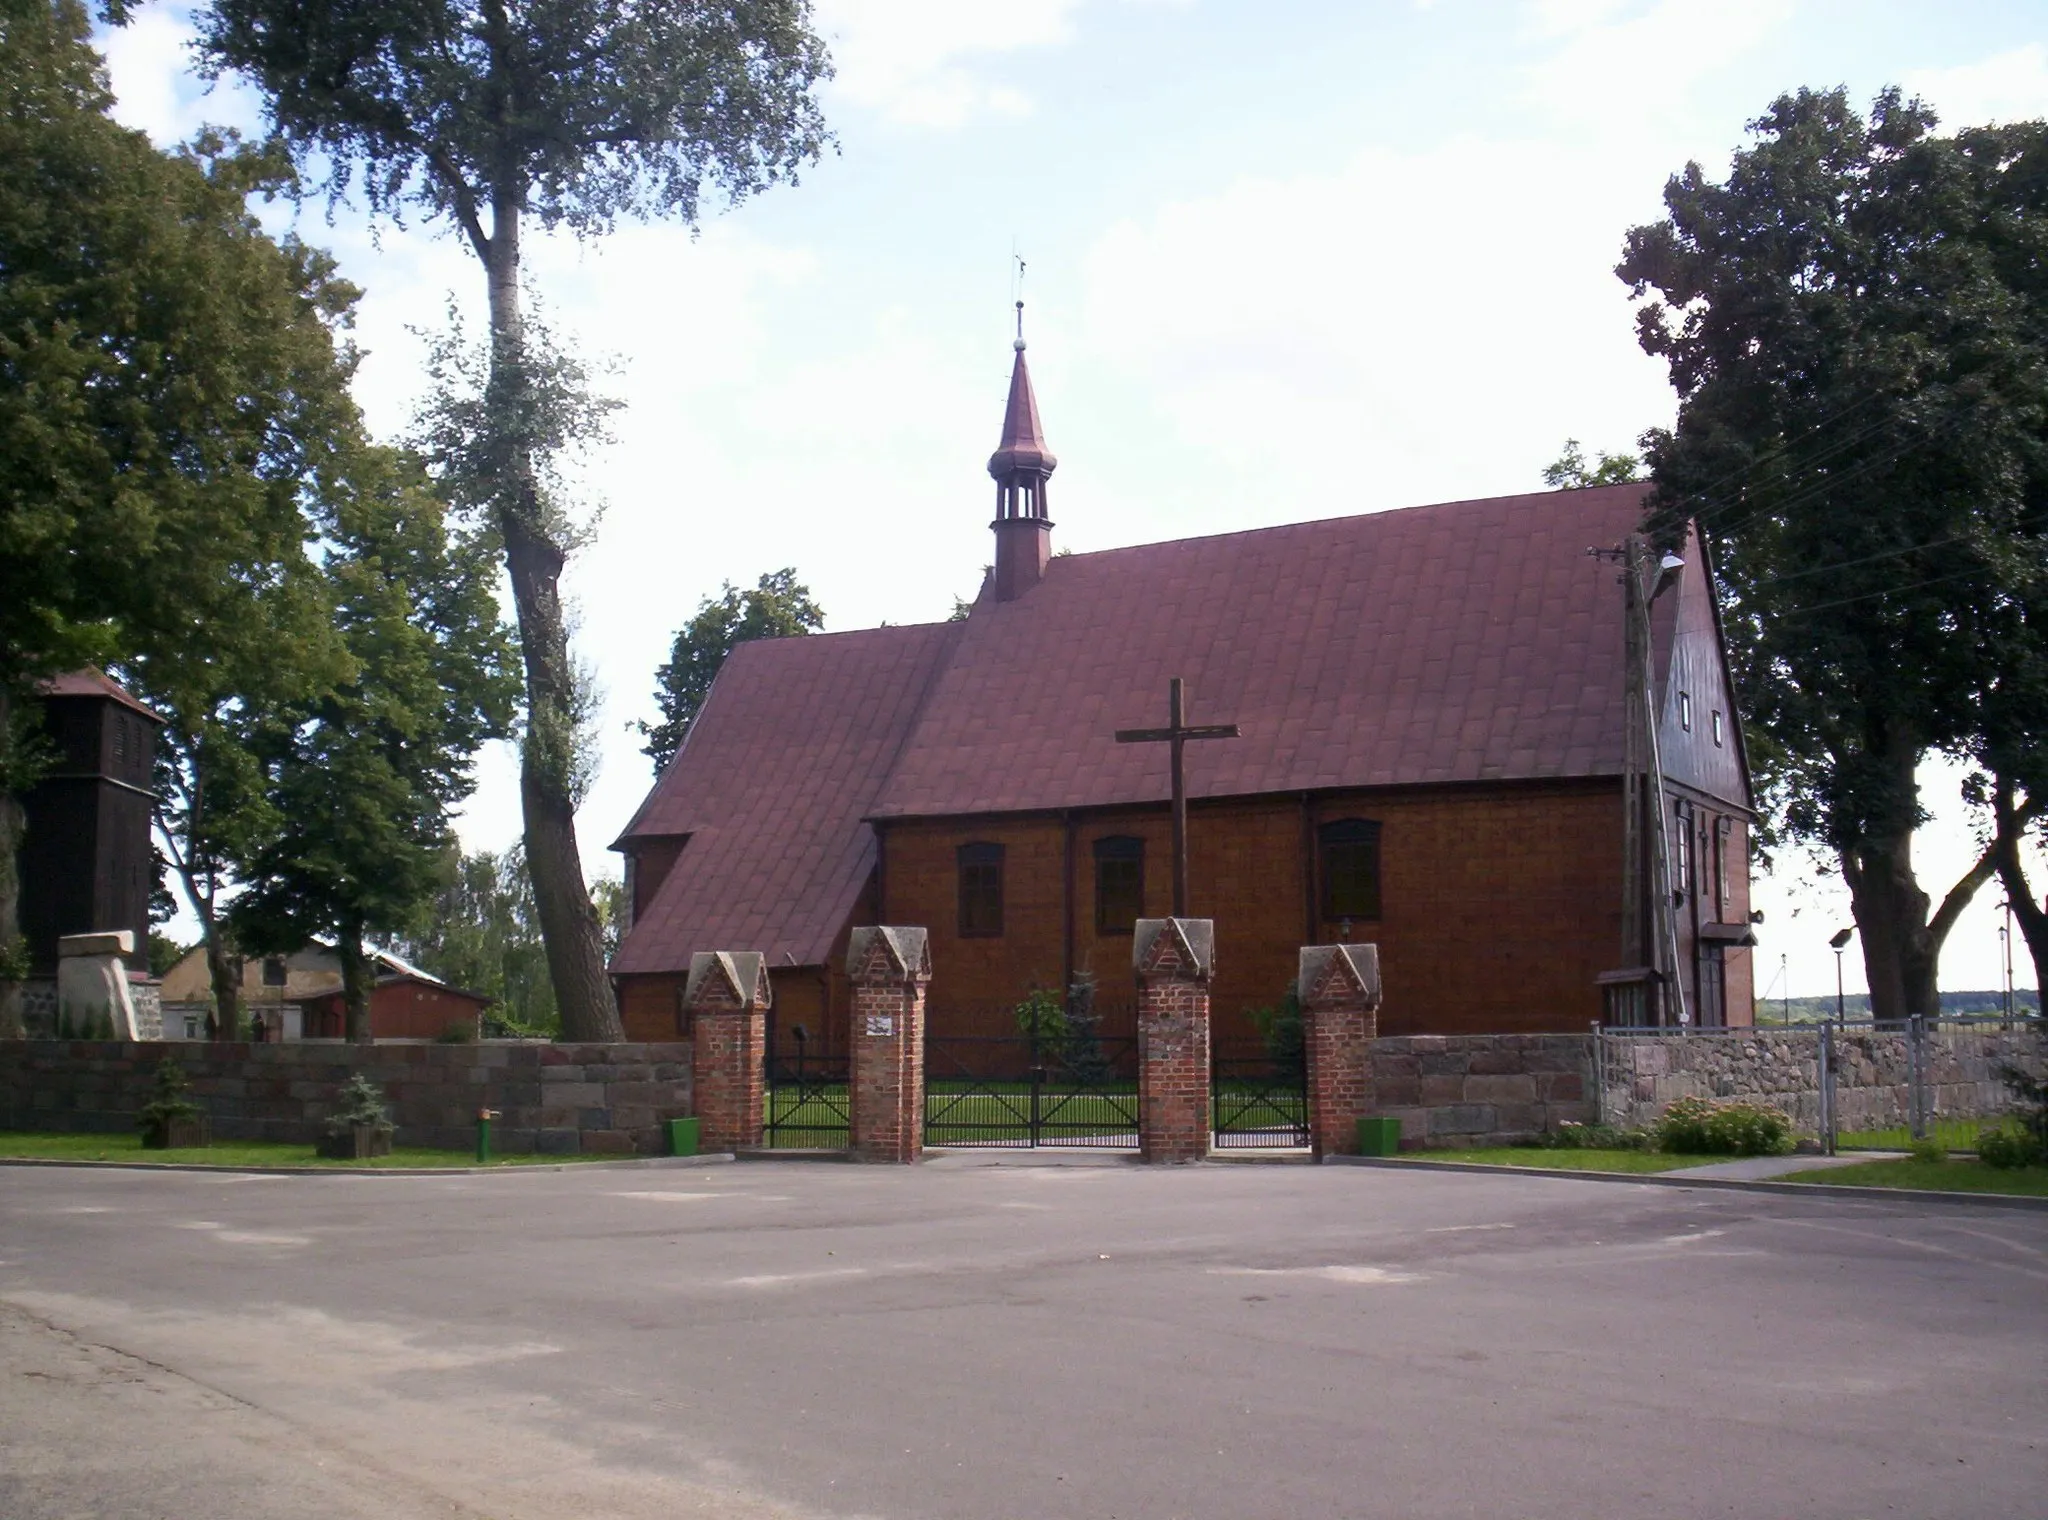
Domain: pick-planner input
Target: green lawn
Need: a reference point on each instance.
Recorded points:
(1564, 1160)
(1952, 1176)
(128, 1148)
(1950, 1134)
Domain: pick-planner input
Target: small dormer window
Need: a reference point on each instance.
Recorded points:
(273, 971)
(1685, 711)
(1719, 731)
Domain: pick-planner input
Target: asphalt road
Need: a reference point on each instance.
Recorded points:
(974, 1338)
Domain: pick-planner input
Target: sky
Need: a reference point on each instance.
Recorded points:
(1283, 260)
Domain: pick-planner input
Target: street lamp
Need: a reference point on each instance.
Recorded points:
(1836, 944)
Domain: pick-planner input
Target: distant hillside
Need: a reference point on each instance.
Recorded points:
(1812, 1010)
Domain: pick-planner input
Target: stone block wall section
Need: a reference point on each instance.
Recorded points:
(1173, 959)
(1482, 1089)
(1644, 1074)
(555, 1099)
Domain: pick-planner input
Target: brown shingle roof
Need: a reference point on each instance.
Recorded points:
(1470, 641)
(94, 683)
(1465, 642)
(790, 749)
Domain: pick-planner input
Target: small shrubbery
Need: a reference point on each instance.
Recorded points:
(172, 1102)
(362, 1103)
(1700, 1127)
(1931, 1151)
(2008, 1147)
(1595, 1137)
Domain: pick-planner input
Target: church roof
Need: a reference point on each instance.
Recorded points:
(1468, 642)
(785, 757)
(90, 682)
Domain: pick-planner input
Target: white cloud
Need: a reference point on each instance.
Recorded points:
(2006, 87)
(923, 62)
(1622, 73)
(1408, 328)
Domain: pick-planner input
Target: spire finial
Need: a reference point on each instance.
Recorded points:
(1019, 344)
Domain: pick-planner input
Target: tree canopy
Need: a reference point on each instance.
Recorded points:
(1854, 321)
(362, 777)
(577, 113)
(777, 607)
(1570, 472)
(170, 384)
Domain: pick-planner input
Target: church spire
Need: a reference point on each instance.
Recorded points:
(1021, 466)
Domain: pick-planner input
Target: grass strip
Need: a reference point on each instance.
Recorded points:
(128, 1149)
(1566, 1160)
(1952, 1176)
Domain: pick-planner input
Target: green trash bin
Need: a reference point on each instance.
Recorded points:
(1379, 1137)
(682, 1137)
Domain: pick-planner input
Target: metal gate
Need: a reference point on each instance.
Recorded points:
(1258, 1101)
(1013, 1091)
(807, 1103)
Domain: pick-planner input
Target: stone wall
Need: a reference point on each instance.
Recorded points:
(1644, 1074)
(556, 1099)
(1481, 1089)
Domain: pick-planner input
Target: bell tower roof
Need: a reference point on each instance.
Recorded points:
(1023, 442)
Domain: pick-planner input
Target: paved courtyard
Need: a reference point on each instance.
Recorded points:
(1008, 1338)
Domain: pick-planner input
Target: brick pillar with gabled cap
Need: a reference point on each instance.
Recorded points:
(1174, 959)
(890, 969)
(1339, 988)
(726, 1000)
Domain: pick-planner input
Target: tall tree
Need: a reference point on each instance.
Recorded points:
(169, 380)
(1570, 472)
(482, 933)
(575, 113)
(778, 607)
(1854, 323)
(361, 781)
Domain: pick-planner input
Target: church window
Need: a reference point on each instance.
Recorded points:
(1349, 861)
(1719, 736)
(1119, 884)
(981, 891)
(1685, 711)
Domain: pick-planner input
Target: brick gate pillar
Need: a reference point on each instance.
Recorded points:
(889, 969)
(726, 1000)
(1173, 958)
(1339, 987)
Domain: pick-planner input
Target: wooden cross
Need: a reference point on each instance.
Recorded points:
(1176, 733)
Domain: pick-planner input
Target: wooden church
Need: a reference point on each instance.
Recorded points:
(1432, 744)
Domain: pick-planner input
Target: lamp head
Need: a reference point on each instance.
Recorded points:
(1841, 938)
(1667, 574)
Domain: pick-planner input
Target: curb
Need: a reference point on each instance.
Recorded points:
(632, 1163)
(1680, 1179)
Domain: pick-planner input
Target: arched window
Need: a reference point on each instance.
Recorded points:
(981, 890)
(1119, 884)
(1348, 862)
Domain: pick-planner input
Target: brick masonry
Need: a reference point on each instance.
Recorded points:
(1173, 959)
(1340, 1000)
(555, 1099)
(889, 969)
(726, 1004)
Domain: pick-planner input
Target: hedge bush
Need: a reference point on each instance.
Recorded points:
(1698, 1127)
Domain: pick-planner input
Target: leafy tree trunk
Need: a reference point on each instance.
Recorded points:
(2010, 827)
(569, 924)
(1901, 943)
(358, 976)
(225, 975)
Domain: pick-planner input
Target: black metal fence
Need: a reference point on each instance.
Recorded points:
(808, 1102)
(1016, 1091)
(1258, 1101)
